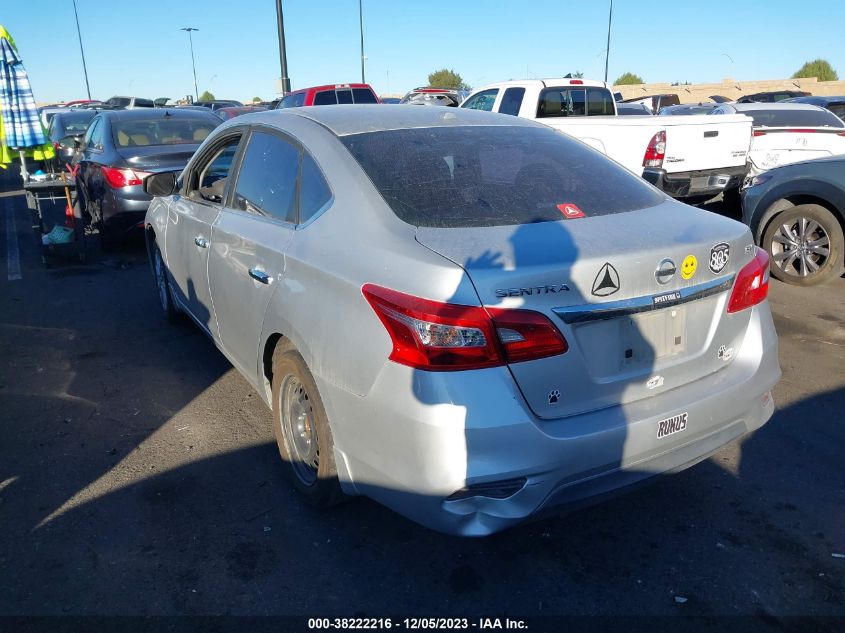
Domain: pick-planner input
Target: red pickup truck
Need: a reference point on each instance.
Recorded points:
(329, 95)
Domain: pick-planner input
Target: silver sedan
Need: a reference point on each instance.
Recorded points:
(466, 316)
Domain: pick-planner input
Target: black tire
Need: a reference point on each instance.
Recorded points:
(163, 289)
(302, 430)
(805, 245)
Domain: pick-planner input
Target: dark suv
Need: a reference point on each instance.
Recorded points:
(797, 213)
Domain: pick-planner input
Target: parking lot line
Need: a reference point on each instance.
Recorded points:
(13, 259)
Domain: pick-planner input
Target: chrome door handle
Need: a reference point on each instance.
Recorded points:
(259, 275)
(201, 242)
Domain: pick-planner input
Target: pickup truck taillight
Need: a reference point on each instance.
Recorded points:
(656, 150)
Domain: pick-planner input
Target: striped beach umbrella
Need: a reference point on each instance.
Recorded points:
(22, 127)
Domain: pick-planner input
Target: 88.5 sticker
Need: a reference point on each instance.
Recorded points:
(720, 255)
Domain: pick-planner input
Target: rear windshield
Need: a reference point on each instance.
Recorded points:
(575, 101)
(838, 108)
(161, 131)
(325, 97)
(491, 176)
(363, 95)
(119, 101)
(794, 118)
(76, 122)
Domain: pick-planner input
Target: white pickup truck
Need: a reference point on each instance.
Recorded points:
(685, 156)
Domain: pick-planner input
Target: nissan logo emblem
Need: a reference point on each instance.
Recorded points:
(665, 271)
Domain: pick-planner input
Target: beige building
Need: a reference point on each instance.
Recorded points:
(732, 89)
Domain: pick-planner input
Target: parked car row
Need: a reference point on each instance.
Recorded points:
(687, 156)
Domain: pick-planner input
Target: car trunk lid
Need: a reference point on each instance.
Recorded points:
(155, 158)
(630, 335)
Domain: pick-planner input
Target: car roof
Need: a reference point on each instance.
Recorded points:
(742, 107)
(343, 120)
(146, 113)
(330, 87)
(552, 82)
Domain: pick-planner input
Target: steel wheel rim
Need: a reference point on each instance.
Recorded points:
(161, 282)
(299, 430)
(800, 248)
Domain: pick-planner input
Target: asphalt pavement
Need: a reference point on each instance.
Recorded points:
(139, 476)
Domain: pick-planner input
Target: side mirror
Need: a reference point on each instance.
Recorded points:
(162, 184)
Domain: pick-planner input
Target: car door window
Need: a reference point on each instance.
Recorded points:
(511, 101)
(267, 178)
(314, 192)
(211, 176)
(484, 100)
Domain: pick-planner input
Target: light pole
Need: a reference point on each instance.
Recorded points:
(361, 23)
(82, 51)
(190, 29)
(607, 56)
(283, 58)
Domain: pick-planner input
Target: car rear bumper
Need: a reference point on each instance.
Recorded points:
(696, 183)
(124, 209)
(418, 438)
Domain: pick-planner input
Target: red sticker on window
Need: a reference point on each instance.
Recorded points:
(570, 211)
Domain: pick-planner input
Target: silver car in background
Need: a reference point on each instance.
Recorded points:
(466, 316)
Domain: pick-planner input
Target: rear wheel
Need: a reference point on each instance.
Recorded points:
(302, 430)
(805, 245)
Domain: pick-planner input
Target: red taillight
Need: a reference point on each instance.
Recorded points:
(656, 150)
(447, 337)
(752, 283)
(56, 145)
(758, 133)
(117, 178)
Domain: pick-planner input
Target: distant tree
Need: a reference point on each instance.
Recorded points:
(681, 83)
(257, 99)
(207, 96)
(578, 74)
(447, 78)
(819, 68)
(628, 79)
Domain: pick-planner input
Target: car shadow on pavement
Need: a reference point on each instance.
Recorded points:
(226, 535)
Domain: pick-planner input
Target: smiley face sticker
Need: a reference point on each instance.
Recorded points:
(688, 267)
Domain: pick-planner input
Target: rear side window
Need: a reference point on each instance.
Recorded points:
(473, 176)
(314, 192)
(794, 118)
(267, 178)
(326, 97)
(364, 95)
(94, 137)
(511, 101)
(293, 101)
(144, 103)
(484, 100)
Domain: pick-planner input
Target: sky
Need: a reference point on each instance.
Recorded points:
(135, 47)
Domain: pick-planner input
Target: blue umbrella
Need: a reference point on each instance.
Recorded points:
(21, 123)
